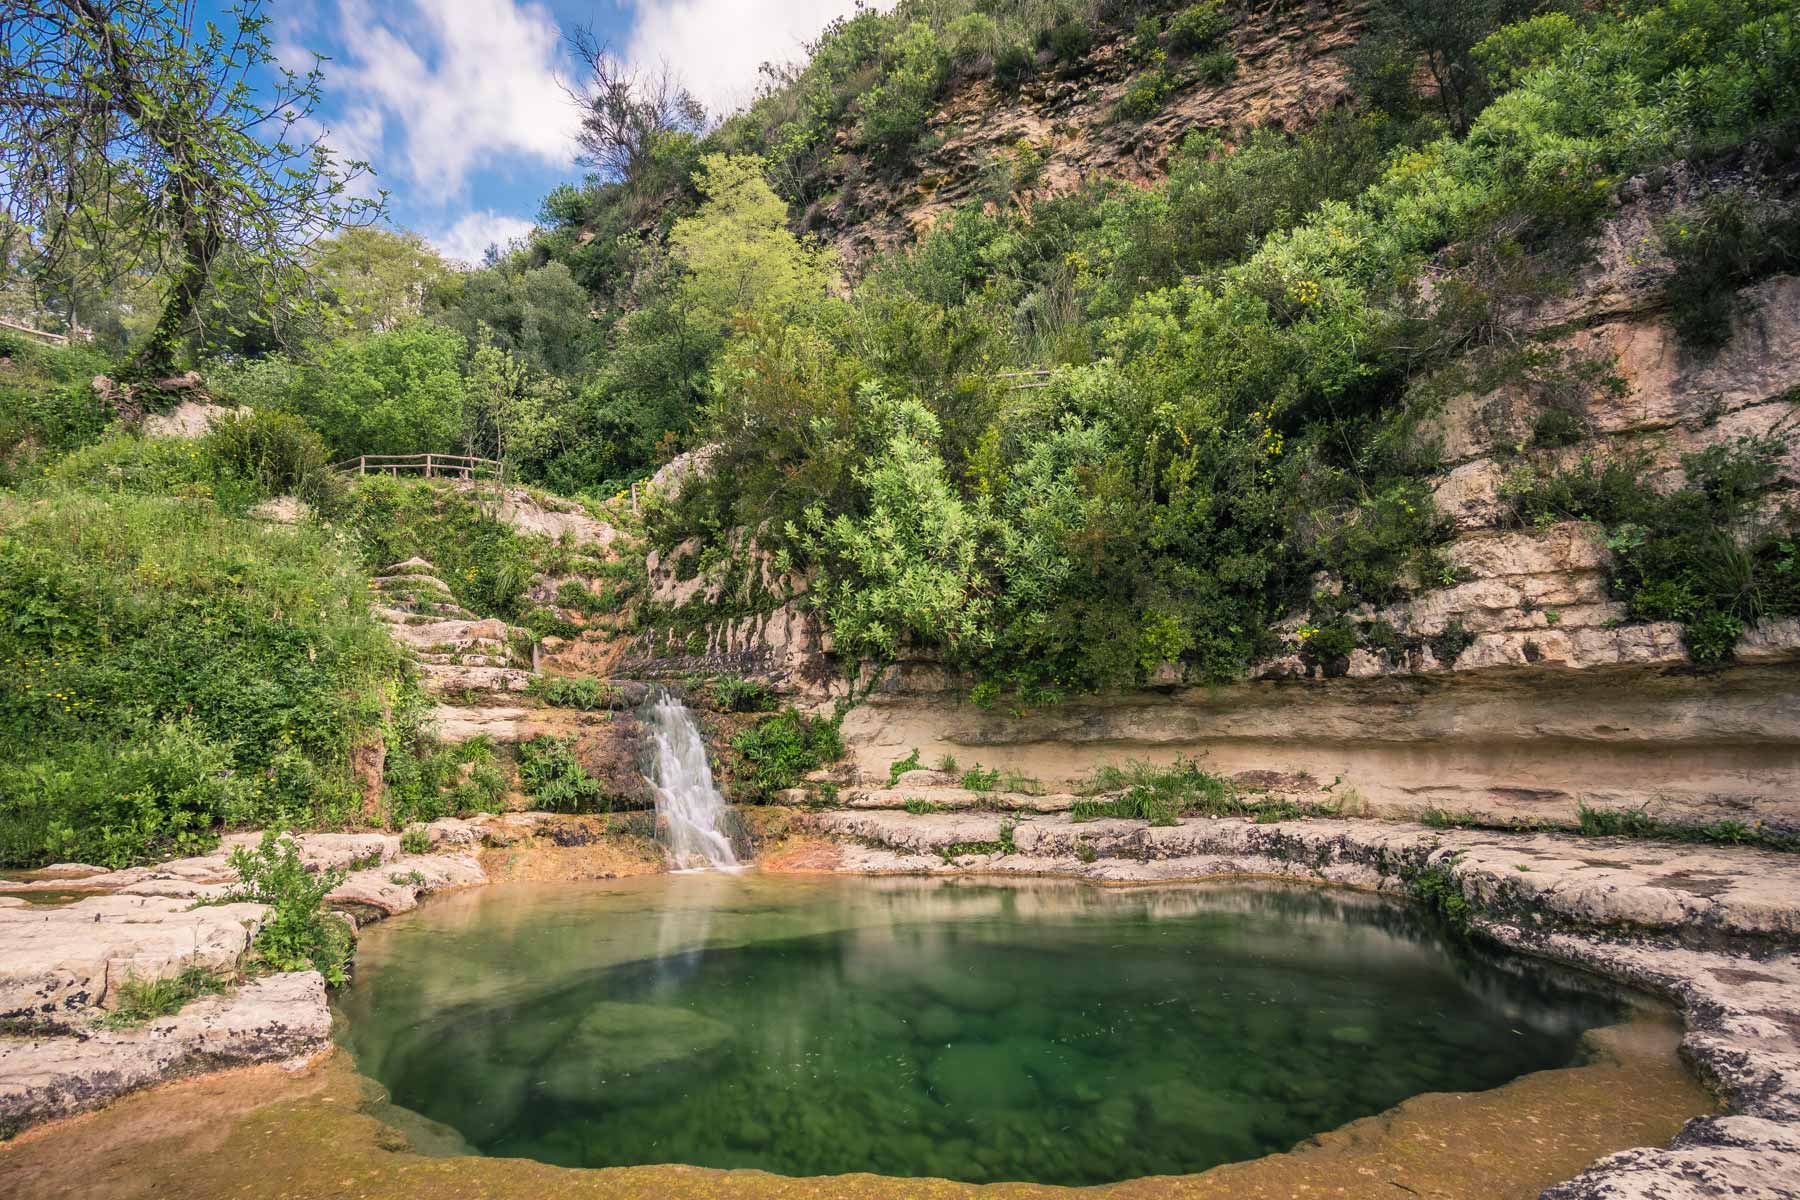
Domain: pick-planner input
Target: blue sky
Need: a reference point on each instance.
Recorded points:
(457, 103)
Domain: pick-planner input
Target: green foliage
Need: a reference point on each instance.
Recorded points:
(901, 766)
(1731, 241)
(779, 750)
(1436, 886)
(1198, 27)
(1159, 795)
(1639, 823)
(737, 248)
(142, 1000)
(399, 392)
(1013, 65)
(895, 109)
(976, 779)
(573, 691)
(552, 774)
(425, 782)
(276, 455)
(741, 695)
(299, 933)
(487, 565)
(46, 404)
(175, 671)
(415, 840)
(1698, 555)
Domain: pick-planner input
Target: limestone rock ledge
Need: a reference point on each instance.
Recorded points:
(273, 1019)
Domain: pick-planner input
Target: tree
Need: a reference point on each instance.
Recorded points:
(378, 278)
(132, 142)
(508, 415)
(395, 393)
(626, 114)
(738, 248)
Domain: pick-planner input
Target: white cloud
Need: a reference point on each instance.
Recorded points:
(468, 239)
(435, 89)
(716, 46)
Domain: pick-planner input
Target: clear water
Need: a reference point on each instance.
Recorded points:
(1042, 1031)
(690, 810)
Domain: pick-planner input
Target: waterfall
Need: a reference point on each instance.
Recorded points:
(689, 806)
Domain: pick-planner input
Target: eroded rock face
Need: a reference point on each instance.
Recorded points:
(273, 1019)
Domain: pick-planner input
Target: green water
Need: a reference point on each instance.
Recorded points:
(980, 1031)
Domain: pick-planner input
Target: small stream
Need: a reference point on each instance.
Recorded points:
(690, 809)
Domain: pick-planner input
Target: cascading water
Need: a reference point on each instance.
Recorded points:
(690, 810)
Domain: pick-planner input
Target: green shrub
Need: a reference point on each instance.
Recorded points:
(976, 779)
(1198, 27)
(1067, 40)
(1216, 66)
(299, 933)
(895, 110)
(1146, 38)
(779, 750)
(427, 782)
(1145, 96)
(1732, 240)
(741, 695)
(552, 774)
(1013, 65)
(572, 691)
(415, 839)
(276, 454)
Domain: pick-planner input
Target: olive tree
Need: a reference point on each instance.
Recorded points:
(133, 142)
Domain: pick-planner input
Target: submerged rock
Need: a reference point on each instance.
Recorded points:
(617, 1049)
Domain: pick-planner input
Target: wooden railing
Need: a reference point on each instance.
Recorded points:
(431, 466)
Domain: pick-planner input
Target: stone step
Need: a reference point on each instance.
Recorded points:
(440, 679)
(464, 660)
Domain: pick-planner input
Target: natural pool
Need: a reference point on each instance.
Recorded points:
(975, 1030)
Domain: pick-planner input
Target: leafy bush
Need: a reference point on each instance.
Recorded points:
(1697, 555)
(779, 750)
(1733, 240)
(894, 111)
(299, 933)
(399, 392)
(1216, 66)
(1198, 27)
(1145, 96)
(572, 691)
(427, 782)
(1013, 65)
(173, 672)
(275, 452)
(741, 695)
(553, 776)
(899, 767)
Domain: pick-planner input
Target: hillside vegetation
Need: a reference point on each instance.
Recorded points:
(1069, 435)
